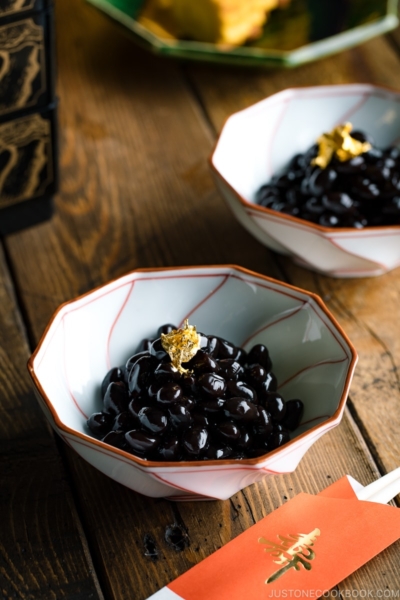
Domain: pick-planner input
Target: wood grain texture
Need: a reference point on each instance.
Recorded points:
(135, 192)
(225, 91)
(368, 310)
(43, 551)
(132, 138)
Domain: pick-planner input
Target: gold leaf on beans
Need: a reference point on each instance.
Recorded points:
(181, 345)
(338, 143)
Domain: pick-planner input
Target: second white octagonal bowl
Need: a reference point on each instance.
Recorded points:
(260, 140)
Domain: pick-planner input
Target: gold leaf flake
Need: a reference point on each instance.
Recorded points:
(339, 143)
(181, 345)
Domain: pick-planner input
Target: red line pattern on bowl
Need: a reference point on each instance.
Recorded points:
(219, 286)
(279, 120)
(334, 243)
(314, 419)
(327, 323)
(329, 238)
(314, 366)
(278, 320)
(189, 498)
(351, 111)
(74, 400)
(65, 309)
(288, 101)
(178, 487)
(174, 485)
(115, 322)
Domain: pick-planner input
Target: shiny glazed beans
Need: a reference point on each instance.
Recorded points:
(225, 406)
(360, 192)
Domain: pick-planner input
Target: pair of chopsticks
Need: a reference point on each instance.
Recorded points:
(381, 491)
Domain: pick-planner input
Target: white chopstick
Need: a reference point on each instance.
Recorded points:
(382, 490)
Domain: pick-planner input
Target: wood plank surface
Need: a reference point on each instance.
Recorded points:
(136, 191)
(43, 550)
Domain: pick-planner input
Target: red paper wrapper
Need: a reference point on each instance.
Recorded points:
(311, 543)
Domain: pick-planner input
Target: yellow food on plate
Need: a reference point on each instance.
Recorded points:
(230, 22)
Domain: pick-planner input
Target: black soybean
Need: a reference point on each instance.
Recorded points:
(130, 363)
(294, 413)
(242, 390)
(212, 384)
(240, 409)
(142, 442)
(140, 374)
(269, 385)
(167, 328)
(180, 416)
(113, 376)
(100, 423)
(230, 369)
(216, 452)
(228, 431)
(195, 440)
(116, 439)
(170, 449)
(166, 372)
(259, 355)
(153, 419)
(116, 398)
(169, 393)
(276, 406)
(157, 350)
(202, 363)
(263, 423)
(123, 422)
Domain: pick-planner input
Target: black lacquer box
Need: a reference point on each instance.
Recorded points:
(28, 123)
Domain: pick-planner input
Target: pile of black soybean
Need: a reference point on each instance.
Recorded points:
(226, 407)
(360, 192)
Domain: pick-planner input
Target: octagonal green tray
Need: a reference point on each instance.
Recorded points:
(306, 30)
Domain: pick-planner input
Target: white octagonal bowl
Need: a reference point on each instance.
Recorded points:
(259, 141)
(312, 359)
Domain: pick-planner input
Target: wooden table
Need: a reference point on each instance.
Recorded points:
(136, 191)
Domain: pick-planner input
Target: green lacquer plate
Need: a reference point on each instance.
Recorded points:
(304, 31)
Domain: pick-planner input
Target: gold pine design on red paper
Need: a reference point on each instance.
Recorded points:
(291, 552)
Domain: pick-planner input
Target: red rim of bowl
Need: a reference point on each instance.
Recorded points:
(147, 464)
